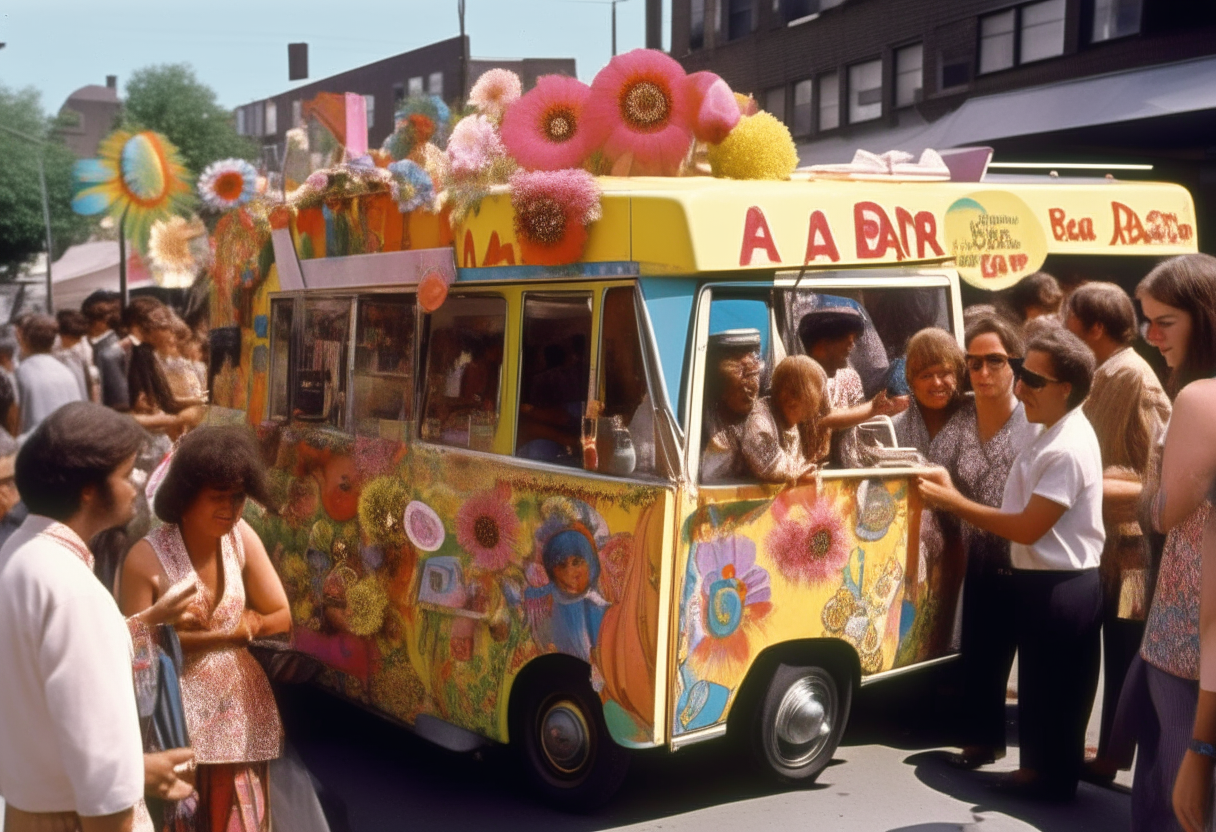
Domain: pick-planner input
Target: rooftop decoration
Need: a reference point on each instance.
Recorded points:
(760, 147)
(545, 129)
(494, 92)
(422, 119)
(229, 183)
(137, 178)
(552, 212)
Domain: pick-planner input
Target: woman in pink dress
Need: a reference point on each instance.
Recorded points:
(230, 710)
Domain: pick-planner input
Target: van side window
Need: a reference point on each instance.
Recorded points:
(555, 378)
(464, 372)
(625, 430)
(320, 367)
(281, 310)
(383, 374)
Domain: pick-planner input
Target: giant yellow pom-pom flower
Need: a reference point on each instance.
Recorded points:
(760, 147)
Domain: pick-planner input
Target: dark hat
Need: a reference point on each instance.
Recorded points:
(735, 340)
(829, 323)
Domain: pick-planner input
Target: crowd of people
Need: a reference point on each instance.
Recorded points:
(91, 402)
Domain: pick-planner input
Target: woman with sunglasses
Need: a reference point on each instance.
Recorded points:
(1051, 513)
(979, 447)
(1178, 301)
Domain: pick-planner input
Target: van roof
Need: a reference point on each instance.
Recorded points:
(995, 231)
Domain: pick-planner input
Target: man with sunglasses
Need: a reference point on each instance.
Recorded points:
(1128, 409)
(1052, 515)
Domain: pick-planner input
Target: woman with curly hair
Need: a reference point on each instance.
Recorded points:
(231, 715)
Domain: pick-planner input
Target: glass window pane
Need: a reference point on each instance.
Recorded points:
(909, 74)
(464, 371)
(280, 351)
(320, 394)
(1042, 31)
(272, 119)
(739, 18)
(802, 108)
(625, 431)
(384, 366)
(1115, 19)
(829, 101)
(696, 25)
(774, 103)
(434, 84)
(865, 91)
(369, 104)
(415, 86)
(996, 41)
(555, 378)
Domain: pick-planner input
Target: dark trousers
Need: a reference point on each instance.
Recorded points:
(1059, 619)
(989, 640)
(1120, 643)
(1164, 714)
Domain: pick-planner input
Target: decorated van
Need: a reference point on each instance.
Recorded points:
(488, 430)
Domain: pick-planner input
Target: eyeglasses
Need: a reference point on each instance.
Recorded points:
(994, 360)
(1031, 379)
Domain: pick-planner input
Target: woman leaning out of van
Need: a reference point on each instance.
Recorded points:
(782, 440)
(1052, 514)
(230, 711)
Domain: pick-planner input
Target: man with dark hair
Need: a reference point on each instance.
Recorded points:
(73, 350)
(732, 384)
(73, 757)
(828, 335)
(102, 310)
(43, 383)
(1128, 409)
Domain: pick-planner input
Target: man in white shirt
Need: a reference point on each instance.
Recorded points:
(69, 728)
(44, 384)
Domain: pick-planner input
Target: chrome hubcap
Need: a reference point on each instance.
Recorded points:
(565, 737)
(802, 724)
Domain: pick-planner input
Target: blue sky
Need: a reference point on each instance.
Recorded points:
(239, 47)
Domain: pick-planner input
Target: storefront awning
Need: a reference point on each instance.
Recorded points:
(1131, 95)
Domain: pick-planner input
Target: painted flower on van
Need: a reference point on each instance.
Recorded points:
(640, 109)
(381, 508)
(735, 596)
(544, 130)
(809, 541)
(487, 527)
(552, 212)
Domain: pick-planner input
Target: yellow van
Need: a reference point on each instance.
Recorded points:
(497, 522)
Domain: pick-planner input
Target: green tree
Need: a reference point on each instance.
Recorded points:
(22, 229)
(171, 100)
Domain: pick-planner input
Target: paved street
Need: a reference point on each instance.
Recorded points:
(888, 775)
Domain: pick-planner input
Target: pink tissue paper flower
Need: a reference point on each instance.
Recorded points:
(494, 92)
(473, 146)
(717, 112)
(545, 129)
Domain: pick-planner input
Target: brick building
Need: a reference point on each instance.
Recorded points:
(1106, 81)
(88, 115)
(434, 69)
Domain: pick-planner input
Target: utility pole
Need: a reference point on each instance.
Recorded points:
(46, 209)
(464, 56)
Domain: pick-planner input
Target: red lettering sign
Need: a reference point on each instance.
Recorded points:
(871, 223)
(469, 260)
(756, 235)
(1063, 228)
(1128, 229)
(993, 265)
(497, 254)
(926, 233)
(819, 240)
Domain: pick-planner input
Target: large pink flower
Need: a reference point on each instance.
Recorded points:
(640, 108)
(494, 92)
(487, 527)
(474, 145)
(809, 542)
(552, 210)
(544, 130)
(716, 110)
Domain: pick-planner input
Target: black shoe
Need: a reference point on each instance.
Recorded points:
(971, 761)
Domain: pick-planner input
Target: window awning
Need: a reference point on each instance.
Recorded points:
(1130, 95)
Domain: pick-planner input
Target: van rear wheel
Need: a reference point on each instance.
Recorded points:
(559, 729)
(800, 723)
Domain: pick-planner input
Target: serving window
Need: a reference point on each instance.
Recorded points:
(320, 365)
(281, 314)
(383, 371)
(463, 382)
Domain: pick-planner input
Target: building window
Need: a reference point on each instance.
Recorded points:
(434, 84)
(829, 101)
(415, 86)
(802, 108)
(272, 119)
(865, 91)
(1033, 32)
(398, 94)
(240, 121)
(1042, 31)
(909, 74)
(796, 9)
(1115, 19)
(996, 41)
(369, 104)
(696, 24)
(297, 113)
(774, 103)
(956, 72)
(738, 18)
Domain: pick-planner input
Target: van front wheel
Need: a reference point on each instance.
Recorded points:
(560, 731)
(800, 722)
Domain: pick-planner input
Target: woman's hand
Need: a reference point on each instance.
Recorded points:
(936, 489)
(173, 607)
(250, 626)
(169, 775)
(1193, 792)
(884, 405)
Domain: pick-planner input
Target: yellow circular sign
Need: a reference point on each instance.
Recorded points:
(994, 238)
